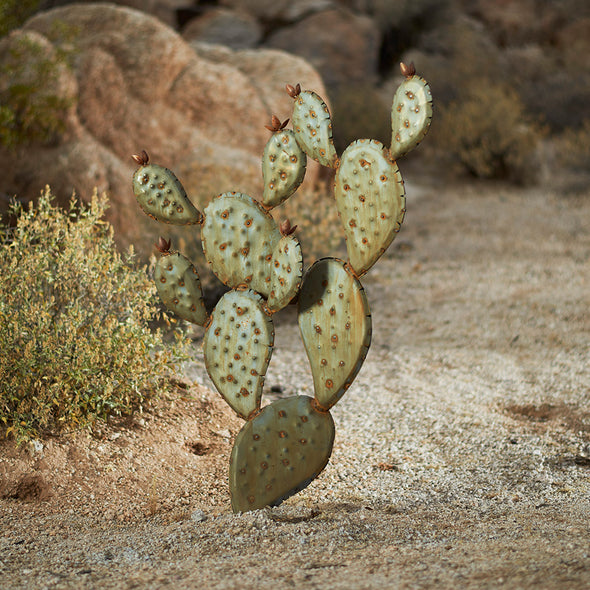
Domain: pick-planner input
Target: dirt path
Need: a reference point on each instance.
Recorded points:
(462, 454)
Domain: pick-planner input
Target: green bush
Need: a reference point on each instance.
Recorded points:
(489, 132)
(75, 337)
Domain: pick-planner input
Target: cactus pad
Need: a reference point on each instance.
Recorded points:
(178, 284)
(283, 167)
(279, 452)
(161, 195)
(239, 237)
(410, 115)
(237, 346)
(371, 202)
(335, 324)
(313, 128)
(286, 272)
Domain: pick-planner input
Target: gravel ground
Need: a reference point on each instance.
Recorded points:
(462, 453)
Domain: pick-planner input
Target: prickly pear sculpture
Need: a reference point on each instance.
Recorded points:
(286, 444)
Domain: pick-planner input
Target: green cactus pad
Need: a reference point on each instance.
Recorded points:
(161, 196)
(371, 201)
(278, 453)
(286, 272)
(178, 284)
(410, 115)
(239, 237)
(237, 347)
(313, 128)
(283, 168)
(335, 324)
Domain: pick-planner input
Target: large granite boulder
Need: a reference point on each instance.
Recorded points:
(233, 28)
(341, 45)
(269, 11)
(165, 10)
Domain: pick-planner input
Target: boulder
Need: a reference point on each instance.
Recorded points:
(342, 46)
(139, 85)
(165, 10)
(269, 11)
(235, 29)
(270, 70)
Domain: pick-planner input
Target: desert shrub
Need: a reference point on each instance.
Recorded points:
(75, 337)
(489, 132)
(573, 147)
(33, 106)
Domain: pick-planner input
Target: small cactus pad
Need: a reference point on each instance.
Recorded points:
(178, 284)
(286, 272)
(410, 115)
(335, 324)
(279, 452)
(371, 202)
(239, 237)
(237, 346)
(161, 196)
(313, 128)
(283, 167)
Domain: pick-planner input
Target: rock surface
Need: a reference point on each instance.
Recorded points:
(279, 10)
(341, 45)
(164, 10)
(234, 29)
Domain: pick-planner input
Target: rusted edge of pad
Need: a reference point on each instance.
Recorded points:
(348, 268)
(254, 413)
(315, 404)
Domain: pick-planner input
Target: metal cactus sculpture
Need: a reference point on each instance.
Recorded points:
(285, 445)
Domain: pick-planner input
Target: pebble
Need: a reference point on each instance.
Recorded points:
(198, 516)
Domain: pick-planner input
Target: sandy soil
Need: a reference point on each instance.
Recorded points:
(462, 454)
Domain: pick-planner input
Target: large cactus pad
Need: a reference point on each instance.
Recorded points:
(335, 324)
(371, 202)
(238, 346)
(279, 452)
(286, 272)
(410, 115)
(178, 284)
(313, 128)
(283, 167)
(161, 196)
(239, 237)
